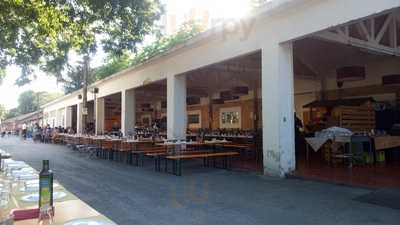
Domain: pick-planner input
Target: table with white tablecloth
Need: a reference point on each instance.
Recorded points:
(316, 144)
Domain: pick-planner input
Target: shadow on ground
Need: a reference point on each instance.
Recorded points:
(132, 195)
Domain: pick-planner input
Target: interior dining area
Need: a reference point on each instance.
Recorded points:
(223, 103)
(347, 103)
(151, 106)
(112, 114)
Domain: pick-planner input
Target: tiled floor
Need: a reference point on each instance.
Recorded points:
(375, 176)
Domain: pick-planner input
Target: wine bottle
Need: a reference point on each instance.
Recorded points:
(45, 187)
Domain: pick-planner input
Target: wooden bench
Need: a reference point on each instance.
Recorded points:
(247, 151)
(157, 156)
(177, 159)
(140, 153)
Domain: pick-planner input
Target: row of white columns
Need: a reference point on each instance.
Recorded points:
(277, 109)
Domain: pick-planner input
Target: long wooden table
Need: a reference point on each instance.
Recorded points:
(68, 208)
(71, 210)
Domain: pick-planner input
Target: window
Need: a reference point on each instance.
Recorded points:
(194, 119)
(230, 118)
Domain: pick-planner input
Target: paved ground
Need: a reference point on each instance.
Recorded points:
(130, 195)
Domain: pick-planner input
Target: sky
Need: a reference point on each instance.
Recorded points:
(177, 11)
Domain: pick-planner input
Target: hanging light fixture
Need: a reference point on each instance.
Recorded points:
(350, 73)
(391, 80)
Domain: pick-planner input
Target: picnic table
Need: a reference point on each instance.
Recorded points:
(177, 160)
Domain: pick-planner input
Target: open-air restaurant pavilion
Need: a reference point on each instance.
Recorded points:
(300, 88)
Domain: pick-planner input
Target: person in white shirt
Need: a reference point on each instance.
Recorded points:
(24, 131)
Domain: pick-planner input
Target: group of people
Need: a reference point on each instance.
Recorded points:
(45, 134)
(38, 133)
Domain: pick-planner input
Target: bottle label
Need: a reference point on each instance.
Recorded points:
(45, 192)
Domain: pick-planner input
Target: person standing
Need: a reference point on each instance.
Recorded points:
(24, 131)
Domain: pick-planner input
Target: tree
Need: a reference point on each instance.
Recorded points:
(11, 113)
(74, 78)
(30, 101)
(115, 64)
(43, 32)
(27, 102)
(163, 44)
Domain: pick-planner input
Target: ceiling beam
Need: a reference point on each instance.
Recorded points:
(342, 35)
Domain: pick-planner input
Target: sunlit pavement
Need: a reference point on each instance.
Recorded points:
(131, 195)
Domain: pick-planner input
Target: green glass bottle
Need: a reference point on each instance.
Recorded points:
(45, 186)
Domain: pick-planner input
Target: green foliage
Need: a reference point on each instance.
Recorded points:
(74, 78)
(27, 102)
(30, 101)
(43, 32)
(11, 113)
(3, 112)
(115, 64)
(164, 44)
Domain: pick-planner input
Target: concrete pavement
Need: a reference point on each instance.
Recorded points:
(130, 195)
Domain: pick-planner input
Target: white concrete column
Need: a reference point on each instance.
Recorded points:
(58, 117)
(176, 107)
(68, 117)
(128, 111)
(278, 109)
(79, 127)
(99, 116)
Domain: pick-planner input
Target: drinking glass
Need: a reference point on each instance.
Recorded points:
(5, 216)
(46, 216)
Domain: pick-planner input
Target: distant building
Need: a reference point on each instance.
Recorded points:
(15, 124)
